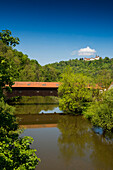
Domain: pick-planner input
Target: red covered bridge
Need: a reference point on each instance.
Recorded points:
(34, 89)
(37, 89)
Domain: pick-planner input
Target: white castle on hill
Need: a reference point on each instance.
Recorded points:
(91, 59)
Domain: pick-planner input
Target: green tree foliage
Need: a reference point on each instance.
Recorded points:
(101, 112)
(30, 70)
(15, 152)
(8, 70)
(73, 92)
(104, 78)
(7, 39)
(99, 70)
(50, 74)
(17, 66)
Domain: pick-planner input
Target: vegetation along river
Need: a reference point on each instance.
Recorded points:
(63, 142)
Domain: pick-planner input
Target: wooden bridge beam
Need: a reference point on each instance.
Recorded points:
(32, 91)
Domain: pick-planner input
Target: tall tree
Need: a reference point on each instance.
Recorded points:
(8, 39)
(15, 152)
(73, 92)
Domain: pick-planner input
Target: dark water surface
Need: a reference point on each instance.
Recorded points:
(37, 105)
(66, 142)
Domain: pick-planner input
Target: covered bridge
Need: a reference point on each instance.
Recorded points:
(34, 89)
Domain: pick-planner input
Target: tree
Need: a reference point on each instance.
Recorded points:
(50, 74)
(6, 38)
(73, 92)
(104, 78)
(8, 69)
(15, 151)
(101, 112)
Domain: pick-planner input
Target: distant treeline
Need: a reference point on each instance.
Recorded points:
(100, 70)
(24, 69)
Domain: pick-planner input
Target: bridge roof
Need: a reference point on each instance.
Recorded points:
(37, 84)
(45, 85)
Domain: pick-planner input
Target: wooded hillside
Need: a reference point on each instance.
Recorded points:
(24, 69)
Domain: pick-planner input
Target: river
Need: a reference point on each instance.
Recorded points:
(63, 142)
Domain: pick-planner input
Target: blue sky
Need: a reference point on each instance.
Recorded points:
(55, 30)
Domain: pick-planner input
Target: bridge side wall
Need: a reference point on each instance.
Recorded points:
(31, 91)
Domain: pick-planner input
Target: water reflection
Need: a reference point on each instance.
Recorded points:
(63, 142)
(75, 137)
(70, 144)
(35, 109)
(37, 104)
(77, 140)
(53, 110)
(36, 100)
(36, 119)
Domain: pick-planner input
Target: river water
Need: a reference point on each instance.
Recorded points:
(63, 142)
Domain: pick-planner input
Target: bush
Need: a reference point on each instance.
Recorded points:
(73, 92)
(101, 112)
(15, 152)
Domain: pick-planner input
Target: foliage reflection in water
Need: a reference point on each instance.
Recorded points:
(78, 140)
(37, 104)
(72, 145)
(64, 142)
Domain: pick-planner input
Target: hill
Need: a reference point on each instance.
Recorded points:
(24, 69)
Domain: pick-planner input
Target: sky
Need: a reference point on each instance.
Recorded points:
(55, 30)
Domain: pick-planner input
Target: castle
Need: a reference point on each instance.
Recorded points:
(91, 59)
